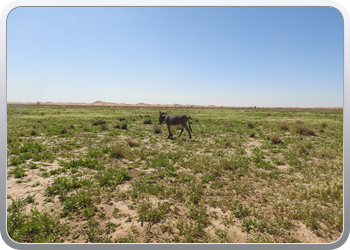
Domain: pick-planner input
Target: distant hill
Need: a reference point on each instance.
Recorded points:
(112, 104)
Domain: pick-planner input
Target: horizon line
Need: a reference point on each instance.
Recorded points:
(141, 104)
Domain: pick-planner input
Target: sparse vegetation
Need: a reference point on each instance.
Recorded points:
(102, 174)
(132, 143)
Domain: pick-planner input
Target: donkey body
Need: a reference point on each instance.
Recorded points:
(175, 120)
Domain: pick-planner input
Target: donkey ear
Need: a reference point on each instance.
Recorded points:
(160, 112)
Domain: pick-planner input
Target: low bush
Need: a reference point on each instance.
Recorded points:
(147, 121)
(303, 130)
(99, 122)
(283, 126)
(124, 126)
(275, 139)
(157, 129)
(117, 152)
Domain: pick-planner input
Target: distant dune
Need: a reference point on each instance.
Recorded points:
(174, 105)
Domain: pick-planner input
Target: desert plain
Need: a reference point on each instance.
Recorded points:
(106, 173)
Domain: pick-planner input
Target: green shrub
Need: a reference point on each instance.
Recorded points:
(150, 214)
(147, 121)
(252, 134)
(99, 122)
(18, 172)
(104, 127)
(250, 124)
(76, 202)
(35, 227)
(32, 165)
(112, 177)
(199, 215)
(157, 129)
(91, 163)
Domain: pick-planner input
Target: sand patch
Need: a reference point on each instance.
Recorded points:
(32, 185)
(306, 235)
(252, 144)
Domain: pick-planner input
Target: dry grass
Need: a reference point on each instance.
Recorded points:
(283, 126)
(302, 129)
(117, 152)
(275, 138)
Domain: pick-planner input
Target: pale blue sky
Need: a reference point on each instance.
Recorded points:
(233, 56)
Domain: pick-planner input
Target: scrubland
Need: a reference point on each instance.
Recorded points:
(109, 174)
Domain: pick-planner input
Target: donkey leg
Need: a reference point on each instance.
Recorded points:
(188, 131)
(170, 134)
(182, 130)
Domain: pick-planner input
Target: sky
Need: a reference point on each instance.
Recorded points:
(231, 56)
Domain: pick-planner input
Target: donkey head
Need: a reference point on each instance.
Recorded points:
(161, 117)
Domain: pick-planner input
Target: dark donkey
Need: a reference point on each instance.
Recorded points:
(175, 120)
